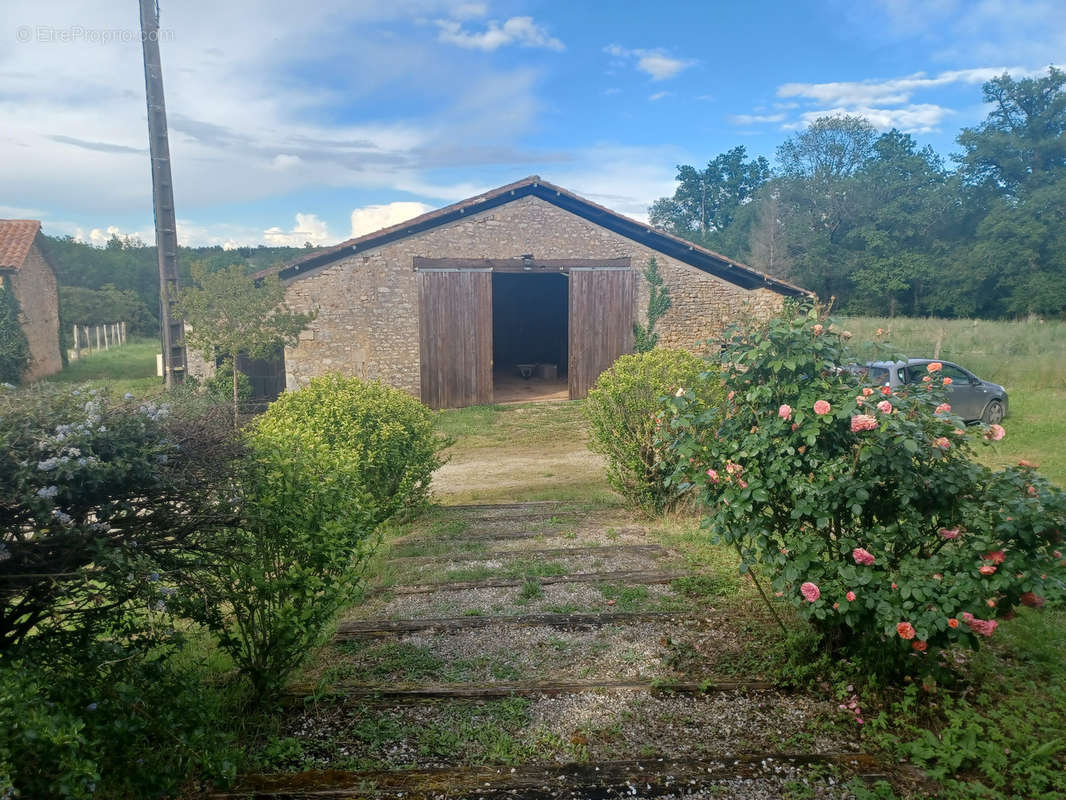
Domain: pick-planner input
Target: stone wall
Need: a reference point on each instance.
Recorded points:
(35, 287)
(367, 304)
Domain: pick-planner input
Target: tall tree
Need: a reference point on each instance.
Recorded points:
(706, 201)
(230, 314)
(820, 190)
(1022, 142)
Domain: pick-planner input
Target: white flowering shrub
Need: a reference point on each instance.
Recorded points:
(96, 496)
(106, 507)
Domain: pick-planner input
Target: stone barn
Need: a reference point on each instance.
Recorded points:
(525, 291)
(24, 268)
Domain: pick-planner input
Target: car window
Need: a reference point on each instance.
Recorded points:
(877, 375)
(956, 374)
(901, 375)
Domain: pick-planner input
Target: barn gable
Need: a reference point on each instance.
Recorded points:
(686, 252)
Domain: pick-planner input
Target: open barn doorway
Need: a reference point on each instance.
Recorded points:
(530, 336)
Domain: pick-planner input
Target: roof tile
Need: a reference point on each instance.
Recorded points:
(16, 239)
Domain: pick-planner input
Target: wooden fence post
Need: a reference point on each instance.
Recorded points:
(97, 338)
(77, 349)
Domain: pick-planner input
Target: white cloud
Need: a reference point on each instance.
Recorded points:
(309, 228)
(659, 96)
(919, 118)
(516, 30)
(369, 219)
(285, 161)
(753, 119)
(469, 11)
(894, 90)
(244, 124)
(656, 63)
(885, 103)
(98, 237)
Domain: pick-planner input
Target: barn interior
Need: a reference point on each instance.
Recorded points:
(530, 337)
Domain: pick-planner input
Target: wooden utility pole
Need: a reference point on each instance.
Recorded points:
(166, 236)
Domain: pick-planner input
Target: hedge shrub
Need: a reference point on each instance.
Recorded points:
(865, 505)
(290, 563)
(624, 411)
(391, 435)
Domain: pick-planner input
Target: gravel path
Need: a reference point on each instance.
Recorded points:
(602, 725)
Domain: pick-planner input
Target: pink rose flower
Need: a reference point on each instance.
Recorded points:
(995, 433)
(919, 645)
(713, 475)
(859, 400)
(785, 412)
(985, 627)
(934, 366)
(810, 592)
(942, 442)
(731, 395)
(905, 630)
(862, 556)
(886, 390)
(733, 468)
(884, 407)
(821, 407)
(949, 533)
(947, 381)
(850, 597)
(943, 408)
(987, 569)
(862, 422)
(1032, 600)
(996, 556)
(1029, 464)
(867, 391)
(743, 484)
(817, 330)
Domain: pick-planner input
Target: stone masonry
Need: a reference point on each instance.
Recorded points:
(38, 295)
(367, 304)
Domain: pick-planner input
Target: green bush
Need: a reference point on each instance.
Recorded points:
(866, 505)
(14, 347)
(97, 730)
(290, 562)
(625, 414)
(394, 445)
(220, 386)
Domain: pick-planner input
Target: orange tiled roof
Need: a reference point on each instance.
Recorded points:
(16, 239)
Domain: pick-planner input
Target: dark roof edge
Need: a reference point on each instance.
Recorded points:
(674, 246)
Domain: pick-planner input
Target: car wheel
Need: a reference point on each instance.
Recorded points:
(993, 413)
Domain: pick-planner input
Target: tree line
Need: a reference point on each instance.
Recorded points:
(120, 281)
(888, 227)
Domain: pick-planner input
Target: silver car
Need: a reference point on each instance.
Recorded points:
(971, 398)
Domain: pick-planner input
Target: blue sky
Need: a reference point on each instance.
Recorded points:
(317, 121)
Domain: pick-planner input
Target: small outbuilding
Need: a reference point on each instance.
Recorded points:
(24, 267)
(525, 291)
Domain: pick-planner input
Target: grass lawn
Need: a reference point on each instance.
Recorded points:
(130, 368)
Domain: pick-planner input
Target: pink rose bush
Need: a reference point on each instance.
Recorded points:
(886, 532)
